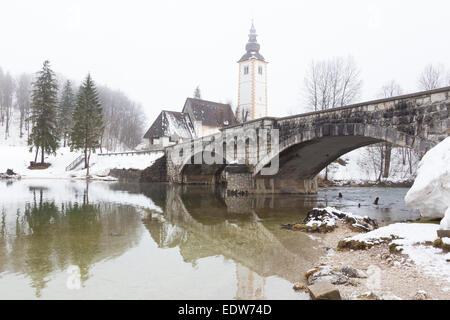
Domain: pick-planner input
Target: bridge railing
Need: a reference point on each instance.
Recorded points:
(128, 153)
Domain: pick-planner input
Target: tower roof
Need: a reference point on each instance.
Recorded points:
(252, 46)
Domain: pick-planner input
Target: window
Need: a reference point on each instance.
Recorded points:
(245, 69)
(260, 70)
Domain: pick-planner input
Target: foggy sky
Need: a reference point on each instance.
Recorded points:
(158, 52)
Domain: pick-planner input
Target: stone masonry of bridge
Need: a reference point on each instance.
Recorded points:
(309, 142)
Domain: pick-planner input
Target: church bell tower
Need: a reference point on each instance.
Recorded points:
(252, 92)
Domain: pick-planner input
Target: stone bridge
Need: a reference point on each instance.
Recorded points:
(284, 155)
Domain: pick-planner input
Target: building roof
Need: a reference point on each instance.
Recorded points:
(252, 47)
(210, 113)
(171, 124)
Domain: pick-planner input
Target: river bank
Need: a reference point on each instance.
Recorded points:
(364, 183)
(400, 263)
(19, 157)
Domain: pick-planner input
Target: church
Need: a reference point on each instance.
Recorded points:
(200, 118)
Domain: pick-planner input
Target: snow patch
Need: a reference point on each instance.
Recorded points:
(414, 239)
(18, 158)
(445, 222)
(430, 193)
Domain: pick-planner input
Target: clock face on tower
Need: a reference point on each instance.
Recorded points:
(252, 91)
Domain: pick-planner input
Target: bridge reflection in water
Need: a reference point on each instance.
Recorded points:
(203, 222)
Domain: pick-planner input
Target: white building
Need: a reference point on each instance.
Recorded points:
(169, 128)
(252, 92)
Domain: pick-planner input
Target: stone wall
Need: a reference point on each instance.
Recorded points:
(129, 175)
(155, 173)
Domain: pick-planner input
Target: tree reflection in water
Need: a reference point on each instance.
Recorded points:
(50, 236)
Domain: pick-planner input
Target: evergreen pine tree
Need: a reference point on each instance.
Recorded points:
(44, 99)
(66, 107)
(197, 93)
(87, 121)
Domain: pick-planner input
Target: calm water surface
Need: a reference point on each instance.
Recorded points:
(73, 240)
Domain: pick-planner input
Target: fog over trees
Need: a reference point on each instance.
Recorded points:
(6, 100)
(23, 102)
(124, 118)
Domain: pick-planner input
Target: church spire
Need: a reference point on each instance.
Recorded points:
(252, 47)
(252, 91)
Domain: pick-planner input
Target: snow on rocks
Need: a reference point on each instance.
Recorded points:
(10, 175)
(324, 220)
(344, 276)
(430, 193)
(412, 239)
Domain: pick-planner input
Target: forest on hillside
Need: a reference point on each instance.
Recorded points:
(123, 118)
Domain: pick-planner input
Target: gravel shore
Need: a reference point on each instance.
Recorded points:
(391, 275)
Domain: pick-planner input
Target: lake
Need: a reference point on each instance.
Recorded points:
(62, 239)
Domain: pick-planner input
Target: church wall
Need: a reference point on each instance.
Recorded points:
(245, 88)
(260, 89)
(253, 89)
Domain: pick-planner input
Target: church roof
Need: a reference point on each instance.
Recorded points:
(210, 113)
(252, 47)
(171, 124)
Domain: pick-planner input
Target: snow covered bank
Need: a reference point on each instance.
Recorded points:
(18, 158)
(430, 193)
(414, 240)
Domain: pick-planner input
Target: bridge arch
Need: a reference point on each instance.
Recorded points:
(304, 154)
(199, 173)
(226, 149)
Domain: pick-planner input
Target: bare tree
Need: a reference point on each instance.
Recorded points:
(384, 150)
(124, 120)
(332, 83)
(23, 101)
(385, 160)
(390, 89)
(6, 96)
(432, 77)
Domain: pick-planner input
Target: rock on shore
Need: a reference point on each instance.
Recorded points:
(324, 220)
